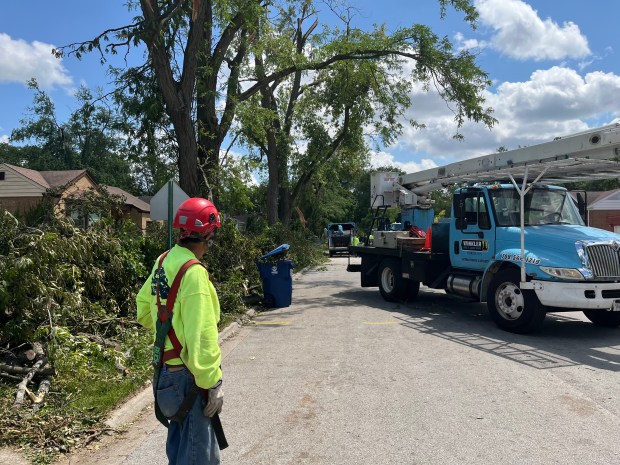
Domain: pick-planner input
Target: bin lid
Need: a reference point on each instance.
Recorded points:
(278, 250)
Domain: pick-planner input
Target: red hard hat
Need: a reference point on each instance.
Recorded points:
(196, 215)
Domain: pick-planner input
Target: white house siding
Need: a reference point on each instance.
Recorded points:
(16, 185)
(608, 202)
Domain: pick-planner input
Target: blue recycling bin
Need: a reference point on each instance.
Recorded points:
(277, 277)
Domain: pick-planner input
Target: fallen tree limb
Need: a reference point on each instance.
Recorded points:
(14, 370)
(21, 387)
(44, 388)
(101, 341)
(11, 377)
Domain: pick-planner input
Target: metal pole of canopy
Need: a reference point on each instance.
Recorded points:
(170, 207)
(523, 190)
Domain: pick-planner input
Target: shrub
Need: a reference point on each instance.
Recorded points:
(58, 273)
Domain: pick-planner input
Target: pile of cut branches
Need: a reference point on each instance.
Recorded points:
(30, 366)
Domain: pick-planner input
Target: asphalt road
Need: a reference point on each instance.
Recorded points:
(342, 377)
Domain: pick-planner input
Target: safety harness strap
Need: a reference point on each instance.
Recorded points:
(164, 328)
(165, 310)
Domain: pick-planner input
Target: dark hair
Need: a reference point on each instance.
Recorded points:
(189, 240)
(193, 238)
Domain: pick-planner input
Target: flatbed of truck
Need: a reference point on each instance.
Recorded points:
(423, 266)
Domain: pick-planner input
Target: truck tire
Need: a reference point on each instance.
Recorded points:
(413, 289)
(603, 318)
(513, 309)
(391, 283)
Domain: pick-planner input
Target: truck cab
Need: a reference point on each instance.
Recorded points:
(566, 265)
(487, 221)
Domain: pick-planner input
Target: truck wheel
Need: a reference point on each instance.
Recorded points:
(413, 289)
(513, 309)
(391, 283)
(603, 318)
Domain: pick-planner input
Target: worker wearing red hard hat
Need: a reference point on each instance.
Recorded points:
(179, 303)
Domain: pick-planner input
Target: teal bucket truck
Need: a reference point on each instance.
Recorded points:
(515, 239)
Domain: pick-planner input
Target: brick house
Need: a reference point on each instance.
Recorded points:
(604, 210)
(137, 210)
(22, 189)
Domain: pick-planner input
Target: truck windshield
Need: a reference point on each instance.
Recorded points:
(542, 206)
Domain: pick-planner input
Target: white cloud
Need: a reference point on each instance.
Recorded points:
(555, 95)
(521, 34)
(21, 61)
(385, 159)
(553, 102)
(4, 139)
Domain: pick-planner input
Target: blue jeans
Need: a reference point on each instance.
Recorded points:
(193, 442)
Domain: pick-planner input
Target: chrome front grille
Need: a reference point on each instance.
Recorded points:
(604, 260)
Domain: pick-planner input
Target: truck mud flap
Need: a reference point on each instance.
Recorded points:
(354, 268)
(369, 269)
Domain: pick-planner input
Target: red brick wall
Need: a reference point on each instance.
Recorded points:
(604, 219)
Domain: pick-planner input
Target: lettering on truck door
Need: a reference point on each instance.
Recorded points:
(473, 246)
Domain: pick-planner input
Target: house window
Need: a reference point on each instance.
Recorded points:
(82, 220)
(1, 175)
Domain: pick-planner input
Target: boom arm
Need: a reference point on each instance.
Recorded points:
(585, 156)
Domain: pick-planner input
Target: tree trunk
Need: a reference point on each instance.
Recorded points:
(284, 204)
(284, 198)
(274, 179)
(188, 156)
(178, 95)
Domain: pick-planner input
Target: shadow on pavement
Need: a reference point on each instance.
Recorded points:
(563, 341)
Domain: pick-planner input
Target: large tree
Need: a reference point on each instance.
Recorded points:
(327, 110)
(92, 139)
(202, 54)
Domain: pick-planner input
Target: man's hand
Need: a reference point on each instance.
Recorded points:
(215, 401)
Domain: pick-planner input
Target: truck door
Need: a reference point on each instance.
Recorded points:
(472, 237)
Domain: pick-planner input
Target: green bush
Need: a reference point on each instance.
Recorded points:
(303, 251)
(57, 282)
(59, 274)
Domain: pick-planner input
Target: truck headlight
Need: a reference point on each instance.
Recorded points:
(565, 273)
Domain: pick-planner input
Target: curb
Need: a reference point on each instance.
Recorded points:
(129, 410)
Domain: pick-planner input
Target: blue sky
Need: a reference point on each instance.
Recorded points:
(555, 67)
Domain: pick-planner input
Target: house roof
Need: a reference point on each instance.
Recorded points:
(48, 179)
(609, 200)
(129, 199)
(61, 178)
(32, 175)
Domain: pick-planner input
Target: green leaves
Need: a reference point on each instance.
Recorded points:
(93, 138)
(59, 273)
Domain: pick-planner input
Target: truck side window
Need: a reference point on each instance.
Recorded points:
(471, 209)
(476, 211)
(484, 220)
